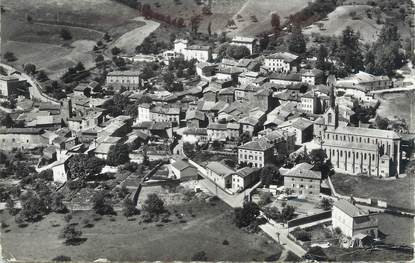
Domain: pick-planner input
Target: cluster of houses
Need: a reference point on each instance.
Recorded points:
(275, 100)
(262, 108)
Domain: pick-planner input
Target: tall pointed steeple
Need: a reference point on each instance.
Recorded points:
(332, 97)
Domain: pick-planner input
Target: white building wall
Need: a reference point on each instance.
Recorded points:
(342, 221)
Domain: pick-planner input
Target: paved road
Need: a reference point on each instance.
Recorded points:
(35, 89)
(271, 228)
(232, 200)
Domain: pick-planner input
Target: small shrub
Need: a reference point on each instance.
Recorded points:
(22, 225)
(337, 230)
(301, 234)
(68, 217)
(272, 258)
(200, 256)
(86, 223)
(62, 258)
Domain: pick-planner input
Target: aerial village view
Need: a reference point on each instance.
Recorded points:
(207, 130)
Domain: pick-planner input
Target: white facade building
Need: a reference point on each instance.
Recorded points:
(248, 42)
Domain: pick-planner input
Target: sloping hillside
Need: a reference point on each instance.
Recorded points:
(39, 42)
(354, 16)
(262, 10)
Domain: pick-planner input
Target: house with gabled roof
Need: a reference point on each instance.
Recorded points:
(227, 95)
(220, 174)
(352, 220)
(302, 180)
(223, 131)
(244, 178)
(195, 135)
(282, 62)
(182, 170)
(256, 153)
(301, 127)
(196, 119)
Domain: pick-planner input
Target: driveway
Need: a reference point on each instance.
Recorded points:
(272, 229)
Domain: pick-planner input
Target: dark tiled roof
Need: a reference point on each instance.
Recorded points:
(21, 131)
(304, 170)
(257, 145)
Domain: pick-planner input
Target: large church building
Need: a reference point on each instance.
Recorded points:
(356, 150)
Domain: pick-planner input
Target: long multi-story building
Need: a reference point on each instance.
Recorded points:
(248, 42)
(22, 138)
(302, 180)
(157, 113)
(256, 153)
(281, 62)
(127, 78)
(10, 85)
(200, 53)
(355, 150)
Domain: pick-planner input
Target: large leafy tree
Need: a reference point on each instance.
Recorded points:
(385, 55)
(296, 42)
(246, 215)
(33, 207)
(70, 233)
(349, 51)
(269, 175)
(102, 203)
(82, 165)
(322, 55)
(118, 154)
(237, 52)
(6, 121)
(153, 204)
(275, 22)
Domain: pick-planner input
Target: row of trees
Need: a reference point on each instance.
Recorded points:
(233, 51)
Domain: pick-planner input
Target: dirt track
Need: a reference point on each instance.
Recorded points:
(135, 37)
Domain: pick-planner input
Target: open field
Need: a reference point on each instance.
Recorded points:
(397, 192)
(399, 230)
(355, 254)
(86, 20)
(222, 11)
(341, 18)
(394, 105)
(125, 240)
(263, 10)
(58, 58)
(95, 14)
